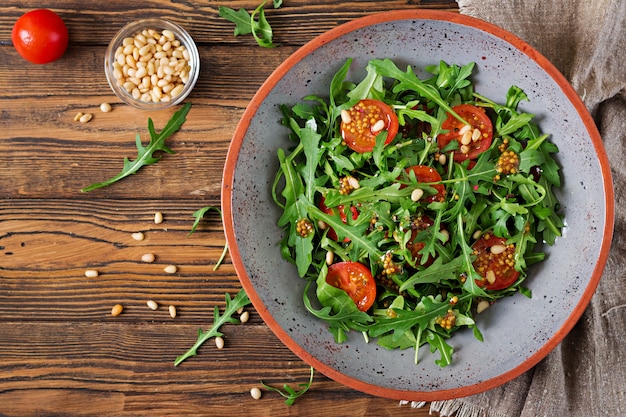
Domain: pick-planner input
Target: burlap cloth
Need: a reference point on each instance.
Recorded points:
(586, 374)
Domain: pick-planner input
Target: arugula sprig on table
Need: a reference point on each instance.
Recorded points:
(232, 305)
(521, 207)
(145, 154)
(254, 23)
(290, 394)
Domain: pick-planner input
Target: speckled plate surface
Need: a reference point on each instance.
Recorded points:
(518, 331)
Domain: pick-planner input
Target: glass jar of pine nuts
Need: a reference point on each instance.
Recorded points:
(152, 64)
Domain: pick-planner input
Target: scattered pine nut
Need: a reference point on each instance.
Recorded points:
(477, 234)
(116, 310)
(446, 235)
(85, 117)
(417, 194)
(497, 249)
(378, 126)
(245, 316)
(482, 306)
(240, 310)
(345, 116)
(170, 269)
(78, 116)
(172, 310)
(105, 107)
(152, 305)
(255, 393)
(442, 159)
(219, 342)
(466, 139)
(330, 257)
(147, 257)
(138, 236)
(491, 276)
(91, 273)
(158, 217)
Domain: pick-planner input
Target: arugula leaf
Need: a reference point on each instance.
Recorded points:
(232, 305)
(289, 393)
(199, 215)
(246, 23)
(145, 154)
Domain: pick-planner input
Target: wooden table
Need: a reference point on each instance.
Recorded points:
(61, 351)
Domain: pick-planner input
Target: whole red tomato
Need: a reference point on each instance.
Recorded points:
(40, 36)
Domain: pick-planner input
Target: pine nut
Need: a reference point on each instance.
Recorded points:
(170, 269)
(466, 139)
(245, 316)
(78, 116)
(219, 342)
(482, 306)
(91, 273)
(417, 194)
(158, 217)
(477, 234)
(378, 126)
(445, 235)
(497, 249)
(117, 310)
(465, 149)
(240, 310)
(491, 276)
(147, 257)
(255, 393)
(152, 305)
(353, 182)
(464, 129)
(172, 310)
(345, 116)
(330, 257)
(442, 159)
(105, 107)
(85, 118)
(476, 135)
(138, 236)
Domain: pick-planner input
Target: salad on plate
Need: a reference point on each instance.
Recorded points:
(410, 204)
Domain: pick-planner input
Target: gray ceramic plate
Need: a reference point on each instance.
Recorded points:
(518, 331)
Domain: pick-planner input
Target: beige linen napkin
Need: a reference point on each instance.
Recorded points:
(586, 374)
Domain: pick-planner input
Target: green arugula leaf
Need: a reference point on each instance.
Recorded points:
(290, 394)
(437, 343)
(145, 154)
(232, 305)
(246, 23)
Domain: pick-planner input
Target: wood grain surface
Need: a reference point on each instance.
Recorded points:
(61, 351)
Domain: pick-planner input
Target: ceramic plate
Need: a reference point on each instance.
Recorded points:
(518, 331)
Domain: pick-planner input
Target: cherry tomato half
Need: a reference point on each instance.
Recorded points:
(425, 173)
(40, 36)
(471, 143)
(362, 123)
(494, 262)
(356, 280)
(339, 210)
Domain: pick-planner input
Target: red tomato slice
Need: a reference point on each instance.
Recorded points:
(425, 173)
(356, 280)
(362, 123)
(473, 145)
(339, 210)
(494, 262)
(40, 36)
